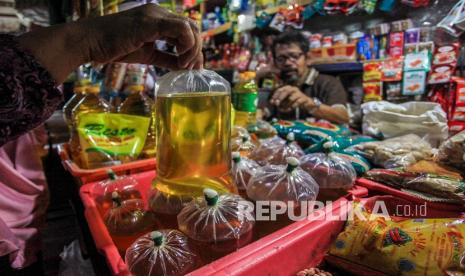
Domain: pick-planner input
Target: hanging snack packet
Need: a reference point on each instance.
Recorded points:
(417, 61)
(373, 91)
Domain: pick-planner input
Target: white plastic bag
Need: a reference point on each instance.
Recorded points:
(388, 120)
(72, 263)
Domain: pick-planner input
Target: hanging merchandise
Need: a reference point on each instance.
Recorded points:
(218, 224)
(444, 62)
(414, 83)
(392, 69)
(293, 16)
(193, 109)
(160, 253)
(369, 5)
(126, 220)
(288, 183)
(263, 20)
(279, 22)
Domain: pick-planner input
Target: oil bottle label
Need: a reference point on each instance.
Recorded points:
(245, 102)
(111, 134)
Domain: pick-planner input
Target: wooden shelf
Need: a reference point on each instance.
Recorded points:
(349, 67)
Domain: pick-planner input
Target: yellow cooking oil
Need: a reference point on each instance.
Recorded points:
(91, 103)
(79, 93)
(193, 143)
(139, 103)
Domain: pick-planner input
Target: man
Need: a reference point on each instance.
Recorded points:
(305, 92)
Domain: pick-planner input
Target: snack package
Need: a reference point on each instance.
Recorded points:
(393, 92)
(412, 35)
(359, 163)
(218, 224)
(373, 91)
(125, 185)
(392, 69)
(396, 152)
(339, 143)
(372, 71)
(432, 167)
(329, 170)
(396, 246)
(276, 153)
(441, 74)
(242, 170)
(163, 252)
(396, 44)
(417, 61)
(452, 152)
(414, 83)
(427, 47)
(446, 54)
(127, 220)
(284, 183)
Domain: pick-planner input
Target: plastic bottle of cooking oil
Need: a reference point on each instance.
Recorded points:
(79, 93)
(139, 103)
(245, 99)
(91, 103)
(193, 110)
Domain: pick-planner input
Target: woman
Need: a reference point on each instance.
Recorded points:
(33, 64)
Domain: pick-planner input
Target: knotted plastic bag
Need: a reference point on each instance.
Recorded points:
(161, 253)
(243, 144)
(243, 169)
(284, 183)
(275, 150)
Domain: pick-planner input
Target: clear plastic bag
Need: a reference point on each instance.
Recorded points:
(262, 129)
(243, 144)
(329, 170)
(243, 169)
(396, 152)
(219, 224)
(161, 253)
(166, 207)
(452, 151)
(284, 183)
(275, 150)
(126, 186)
(127, 217)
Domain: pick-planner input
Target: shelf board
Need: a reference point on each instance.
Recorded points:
(349, 67)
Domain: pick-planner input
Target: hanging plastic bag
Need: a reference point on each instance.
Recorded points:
(452, 151)
(396, 152)
(242, 170)
(219, 224)
(284, 183)
(72, 263)
(161, 253)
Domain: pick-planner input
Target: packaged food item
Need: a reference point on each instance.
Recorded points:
(340, 39)
(138, 103)
(243, 145)
(372, 71)
(396, 44)
(127, 220)
(373, 91)
(160, 253)
(369, 5)
(446, 54)
(245, 100)
(315, 40)
(359, 163)
(243, 169)
(327, 41)
(288, 183)
(427, 47)
(417, 61)
(263, 129)
(266, 150)
(439, 186)
(125, 185)
(400, 246)
(89, 107)
(396, 152)
(414, 83)
(364, 48)
(452, 152)
(441, 74)
(432, 167)
(193, 110)
(218, 224)
(412, 35)
(393, 92)
(392, 69)
(333, 174)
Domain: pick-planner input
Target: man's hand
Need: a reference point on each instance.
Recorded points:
(288, 97)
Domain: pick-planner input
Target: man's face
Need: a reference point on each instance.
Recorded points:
(290, 60)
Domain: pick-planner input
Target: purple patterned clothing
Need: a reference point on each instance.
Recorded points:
(28, 95)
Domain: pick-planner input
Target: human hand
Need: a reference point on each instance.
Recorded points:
(289, 97)
(129, 36)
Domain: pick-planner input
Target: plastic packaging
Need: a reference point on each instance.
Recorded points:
(396, 152)
(275, 150)
(166, 207)
(127, 220)
(219, 224)
(262, 129)
(161, 253)
(329, 170)
(193, 110)
(126, 186)
(245, 99)
(401, 246)
(243, 145)
(242, 170)
(284, 183)
(452, 151)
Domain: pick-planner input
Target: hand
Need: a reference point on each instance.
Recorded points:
(289, 97)
(129, 36)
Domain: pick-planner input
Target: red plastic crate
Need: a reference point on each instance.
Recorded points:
(84, 176)
(378, 188)
(260, 257)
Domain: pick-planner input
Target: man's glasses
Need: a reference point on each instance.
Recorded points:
(293, 57)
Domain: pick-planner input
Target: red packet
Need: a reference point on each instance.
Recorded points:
(372, 71)
(441, 74)
(396, 44)
(373, 91)
(392, 69)
(446, 54)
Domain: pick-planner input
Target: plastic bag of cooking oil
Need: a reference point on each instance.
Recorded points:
(126, 220)
(284, 183)
(262, 130)
(160, 253)
(275, 150)
(375, 241)
(243, 169)
(219, 224)
(452, 151)
(243, 144)
(126, 186)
